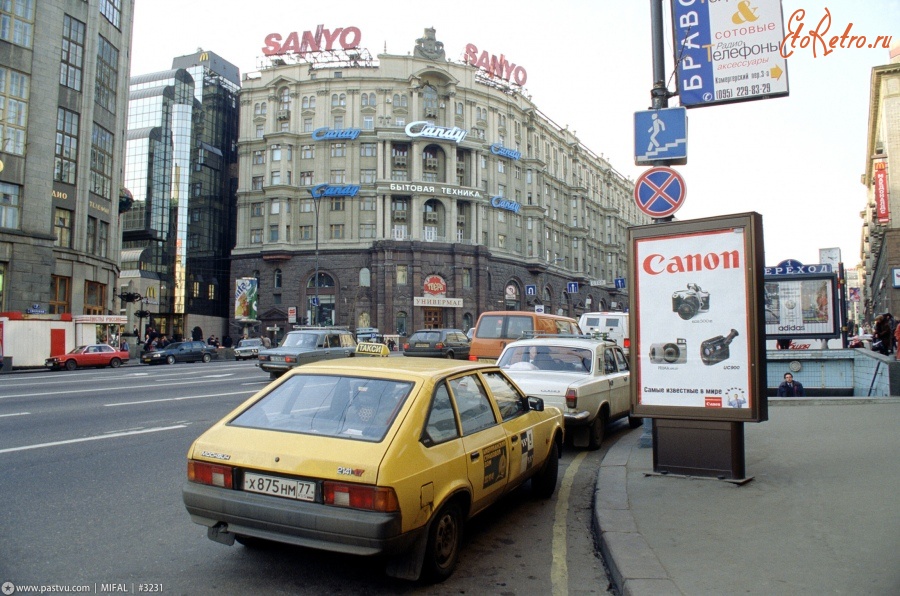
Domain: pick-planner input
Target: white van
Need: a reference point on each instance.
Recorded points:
(613, 325)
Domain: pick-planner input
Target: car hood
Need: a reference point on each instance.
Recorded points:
(291, 453)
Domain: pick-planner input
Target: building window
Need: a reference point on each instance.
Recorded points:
(402, 275)
(338, 177)
(59, 294)
(336, 231)
(102, 239)
(501, 240)
(338, 122)
(368, 122)
(275, 207)
(337, 203)
(273, 233)
(306, 179)
(260, 131)
(62, 224)
(366, 230)
(112, 10)
(367, 176)
(91, 235)
(367, 99)
(66, 146)
(307, 152)
(306, 233)
(259, 157)
(307, 125)
(94, 298)
(211, 292)
(306, 206)
(107, 75)
(367, 204)
(256, 183)
(367, 149)
(101, 161)
(256, 209)
(14, 92)
(9, 206)
(17, 21)
(276, 178)
(338, 149)
(256, 236)
(467, 278)
(71, 62)
(276, 152)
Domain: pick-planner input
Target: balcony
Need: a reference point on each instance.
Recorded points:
(431, 218)
(284, 114)
(399, 215)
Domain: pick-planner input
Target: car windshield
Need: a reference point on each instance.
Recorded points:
(300, 340)
(79, 350)
(244, 343)
(550, 358)
(173, 346)
(356, 408)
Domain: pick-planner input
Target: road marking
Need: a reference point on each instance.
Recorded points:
(155, 385)
(95, 438)
(559, 572)
(16, 414)
(154, 401)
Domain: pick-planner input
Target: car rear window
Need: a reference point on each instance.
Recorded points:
(491, 327)
(347, 407)
(425, 336)
(549, 358)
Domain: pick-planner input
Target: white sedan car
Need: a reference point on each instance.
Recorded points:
(588, 379)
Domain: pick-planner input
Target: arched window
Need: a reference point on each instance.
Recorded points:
(468, 321)
(430, 101)
(305, 103)
(262, 108)
(277, 280)
(400, 101)
(372, 100)
(365, 278)
(364, 100)
(334, 100)
(256, 111)
(401, 323)
(343, 99)
(459, 108)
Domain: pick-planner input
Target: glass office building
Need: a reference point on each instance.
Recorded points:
(176, 241)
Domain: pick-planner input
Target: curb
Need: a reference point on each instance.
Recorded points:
(634, 567)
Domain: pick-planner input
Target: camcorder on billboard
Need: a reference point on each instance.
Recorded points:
(697, 340)
(802, 306)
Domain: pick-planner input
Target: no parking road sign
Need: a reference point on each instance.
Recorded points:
(659, 191)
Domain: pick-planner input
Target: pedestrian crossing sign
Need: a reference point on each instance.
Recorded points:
(660, 137)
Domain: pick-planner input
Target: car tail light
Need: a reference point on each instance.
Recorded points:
(212, 474)
(473, 358)
(627, 342)
(263, 357)
(290, 359)
(439, 345)
(405, 347)
(571, 398)
(360, 496)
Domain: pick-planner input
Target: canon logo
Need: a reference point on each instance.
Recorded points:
(655, 264)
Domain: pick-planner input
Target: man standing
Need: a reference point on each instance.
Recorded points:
(790, 387)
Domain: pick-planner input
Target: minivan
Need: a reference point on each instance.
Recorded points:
(495, 329)
(609, 325)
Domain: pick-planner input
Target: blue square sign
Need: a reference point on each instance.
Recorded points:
(660, 136)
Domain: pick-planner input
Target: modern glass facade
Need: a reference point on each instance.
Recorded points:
(181, 150)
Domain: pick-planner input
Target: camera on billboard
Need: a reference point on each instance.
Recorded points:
(715, 349)
(688, 303)
(669, 353)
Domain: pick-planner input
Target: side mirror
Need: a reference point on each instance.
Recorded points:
(536, 404)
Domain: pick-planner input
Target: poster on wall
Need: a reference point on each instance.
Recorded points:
(802, 306)
(245, 299)
(697, 347)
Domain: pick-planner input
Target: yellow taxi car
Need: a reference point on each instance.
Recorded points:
(372, 456)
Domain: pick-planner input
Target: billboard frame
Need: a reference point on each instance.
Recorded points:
(751, 267)
(834, 302)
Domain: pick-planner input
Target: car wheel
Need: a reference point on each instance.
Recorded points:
(71, 365)
(449, 355)
(597, 430)
(115, 363)
(544, 482)
(170, 359)
(444, 542)
(634, 422)
(207, 358)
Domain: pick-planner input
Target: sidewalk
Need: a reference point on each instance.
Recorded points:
(821, 515)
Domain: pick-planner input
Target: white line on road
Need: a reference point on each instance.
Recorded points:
(16, 414)
(154, 401)
(559, 572)
(96, 438)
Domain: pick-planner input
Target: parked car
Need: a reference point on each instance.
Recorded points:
(495, 329)
(372, 456)
(247, 348)
(181, 351)
(99, 355)
(612, 326)
(438, 343)
(306, 345)
(588, 379)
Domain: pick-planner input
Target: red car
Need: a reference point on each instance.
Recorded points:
(99, 355)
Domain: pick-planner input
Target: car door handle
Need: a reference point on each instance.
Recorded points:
(514, 438)
(474, 456)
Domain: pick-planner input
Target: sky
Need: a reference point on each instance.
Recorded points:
(796, 160)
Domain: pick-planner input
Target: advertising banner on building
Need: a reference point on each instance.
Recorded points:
(802, 306)
(882, 198)
(245, 299)
(697, 348)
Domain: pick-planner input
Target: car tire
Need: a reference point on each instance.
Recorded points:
(543, 484)
(207, 358)
(634, 422)
(71, 365)
(597, 430)
(444, 542)
(449, 355)
(170, 359)
(115, 363)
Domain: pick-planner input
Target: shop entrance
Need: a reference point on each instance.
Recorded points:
(434, 318)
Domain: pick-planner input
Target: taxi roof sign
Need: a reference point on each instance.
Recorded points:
(367, 348)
